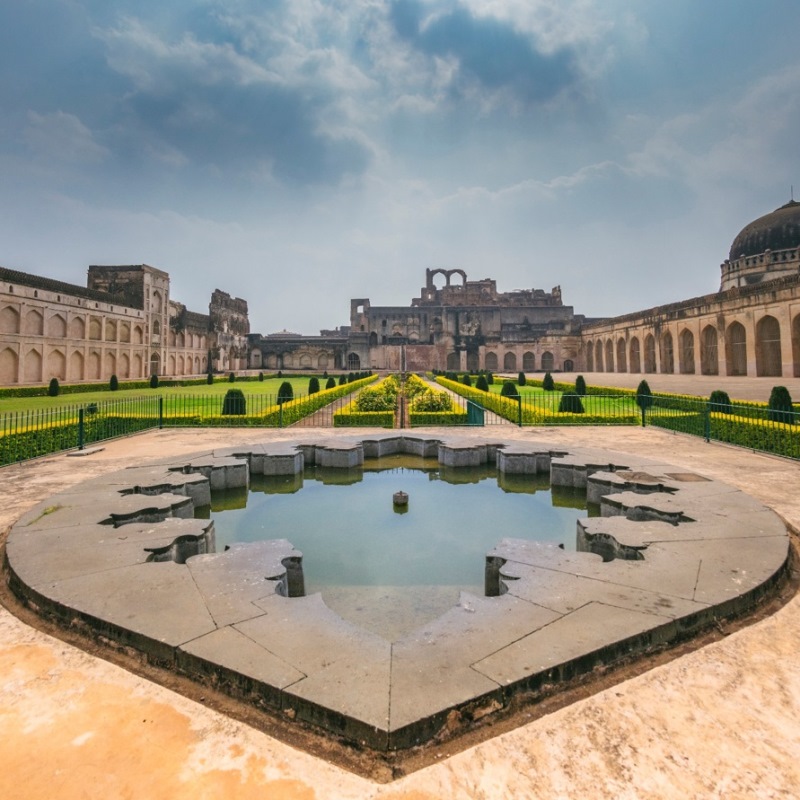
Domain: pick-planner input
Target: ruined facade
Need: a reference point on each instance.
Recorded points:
(122, 323)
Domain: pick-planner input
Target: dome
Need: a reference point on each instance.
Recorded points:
(776, 231)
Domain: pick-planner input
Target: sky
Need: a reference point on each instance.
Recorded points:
(302, 153)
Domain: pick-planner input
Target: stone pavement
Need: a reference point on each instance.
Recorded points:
(722, 721)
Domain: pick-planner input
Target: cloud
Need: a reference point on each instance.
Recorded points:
(59, 136)
(488, 51)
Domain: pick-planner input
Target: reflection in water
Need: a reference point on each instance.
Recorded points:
(352, 534)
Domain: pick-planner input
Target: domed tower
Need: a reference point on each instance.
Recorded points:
(765, 249)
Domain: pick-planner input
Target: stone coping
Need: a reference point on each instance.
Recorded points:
(122, 554)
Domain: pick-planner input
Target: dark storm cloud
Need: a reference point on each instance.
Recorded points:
(488, 51)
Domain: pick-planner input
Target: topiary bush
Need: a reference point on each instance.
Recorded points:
(780, 405)
(720, 402)
(331, 383)
(548, 384)
(509, 389)
(210, 378)
(570, 403)
(489, 378)
(261, 377)
(53, 389)
(521, 379)
(313, 385)
(644, 397)
(342, 379)
(482, 383)
(234, 403)
(231, 378)
(154, 381)
(466, 380)
(580, 386)
(113, 383)
(285, 393)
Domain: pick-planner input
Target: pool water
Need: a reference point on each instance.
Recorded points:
(351, 534)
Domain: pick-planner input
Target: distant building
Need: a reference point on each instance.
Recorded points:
(122, 323)
(125, 323)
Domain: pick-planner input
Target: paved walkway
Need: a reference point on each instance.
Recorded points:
(723, 721)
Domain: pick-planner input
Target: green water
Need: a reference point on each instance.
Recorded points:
(351, 534)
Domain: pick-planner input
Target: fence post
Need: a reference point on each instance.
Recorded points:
(519, 410)
(644, 421)
(80, 429)
(160, 412)
(707, 423)
(280, 415)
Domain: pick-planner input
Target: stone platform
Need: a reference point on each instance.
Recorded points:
(674, 552)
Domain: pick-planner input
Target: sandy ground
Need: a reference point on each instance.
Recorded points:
(723, 721)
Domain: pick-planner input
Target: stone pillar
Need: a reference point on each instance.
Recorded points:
(783, 315)
(750, 330)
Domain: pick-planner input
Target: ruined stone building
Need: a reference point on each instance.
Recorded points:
(122, 323)
(125, 323)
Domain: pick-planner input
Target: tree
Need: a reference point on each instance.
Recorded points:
(234, 403)
(113, 383)
(548, 384)
(466, 380)
(580, 386)
(509, 389)
(342, 379)
(331, 384)
(719, 402)
(780, 405)
(285, 393)
(644, 398)
(570, 403)
(261, 377)
(489, 378)
(53, 389)
(313, 385)
(521, 379)
(154, 381)
(482, 384)
(210, 378)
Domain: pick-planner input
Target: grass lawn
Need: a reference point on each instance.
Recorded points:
(211, 394)
(592, 404)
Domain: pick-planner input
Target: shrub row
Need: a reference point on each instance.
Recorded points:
(457, 417)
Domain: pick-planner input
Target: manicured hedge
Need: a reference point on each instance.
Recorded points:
(437, 418)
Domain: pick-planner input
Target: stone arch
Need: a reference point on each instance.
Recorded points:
(622, 355)
(56, 365)
(453, 362)
(155, 364)
(636, 355)
(667, 354)
(111, 330)
(510, 362)
(686, 352)
(305, 361)
(124, 369)
(77, 328)
(322, 361)
(157, 304)
(138, 366)
(528, 361)
(736, 349)
(124, 332)
(650, 353)
(76, 366)
(57, 327)
(589, 356)
(95, 329)
(33, 325)
(197, 365)
(373, 339)
(473, 361)
(768, 347)
(9, 366)
(138, 334)
(490, 362)
(709, 351)
(598, 356)
(569, 365)
(93, 366)
(548, 362)
(111, 365)
(171, 365)
(609, 355)
(181, 366)
(796, 345)
(156, 328)
(353, 362)
(33, 366)
(9, 320)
